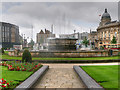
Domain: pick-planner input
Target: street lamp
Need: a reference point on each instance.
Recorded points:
(74, 33)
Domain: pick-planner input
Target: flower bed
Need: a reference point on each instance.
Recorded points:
(18, 66)
(11, 71)
(4, 83)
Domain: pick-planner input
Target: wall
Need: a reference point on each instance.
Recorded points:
(65, 54)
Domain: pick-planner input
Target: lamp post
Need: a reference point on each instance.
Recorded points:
(74, 33)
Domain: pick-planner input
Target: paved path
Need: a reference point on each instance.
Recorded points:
(59, 78)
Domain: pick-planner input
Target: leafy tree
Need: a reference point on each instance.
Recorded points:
(26, 57)
(85, 42)
(114, 40)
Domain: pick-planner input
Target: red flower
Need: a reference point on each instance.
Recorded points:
(3, 85)
(7, 83)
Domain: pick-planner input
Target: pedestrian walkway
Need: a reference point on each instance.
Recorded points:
(59, 77)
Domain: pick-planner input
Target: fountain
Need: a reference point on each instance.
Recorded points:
(61, 44)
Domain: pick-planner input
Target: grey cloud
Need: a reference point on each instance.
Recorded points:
(85, 11)
(60, 1)
(119, 10)
(60, 13)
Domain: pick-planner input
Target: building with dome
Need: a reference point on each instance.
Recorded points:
(107, 29)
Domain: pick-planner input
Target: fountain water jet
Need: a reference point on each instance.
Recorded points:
(61, 44)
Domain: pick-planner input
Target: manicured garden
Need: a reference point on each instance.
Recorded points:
(37, 58)
(13, 73)
(106, 76)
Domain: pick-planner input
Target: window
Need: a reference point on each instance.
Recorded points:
(8, 33)
(3, 34)
(3, 39)
(102, 35)
(105, 35)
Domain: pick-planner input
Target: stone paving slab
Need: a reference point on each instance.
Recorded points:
(60, 78)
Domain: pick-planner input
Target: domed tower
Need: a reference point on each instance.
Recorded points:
(105, 18)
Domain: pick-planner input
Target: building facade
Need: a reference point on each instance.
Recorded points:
(73, 36)
(107, 29)
(42, 36)
(79, 36)
(92, 37)
(9, 35)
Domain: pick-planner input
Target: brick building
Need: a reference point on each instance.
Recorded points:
(42, 36)
(92, 37)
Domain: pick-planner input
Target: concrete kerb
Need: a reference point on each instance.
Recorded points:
(86, 79)
(32, 79)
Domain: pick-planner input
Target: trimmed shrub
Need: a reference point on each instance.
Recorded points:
(118, 53)
(2, 50)
(26, 57)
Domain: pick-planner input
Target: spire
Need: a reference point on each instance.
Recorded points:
(41, 32)
(106, 10)
(52, 28)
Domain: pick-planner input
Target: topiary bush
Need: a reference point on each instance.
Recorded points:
(2, 50)
(118, 53)
(26, 57)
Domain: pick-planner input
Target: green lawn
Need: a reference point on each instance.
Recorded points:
(6, 52)
(15, 76)
(106, 76)
(37, 58)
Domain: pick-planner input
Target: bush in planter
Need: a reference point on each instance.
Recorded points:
(26, 57)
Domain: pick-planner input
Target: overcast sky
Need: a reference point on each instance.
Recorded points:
(65, 16)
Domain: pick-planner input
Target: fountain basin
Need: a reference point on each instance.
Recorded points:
(61, 44)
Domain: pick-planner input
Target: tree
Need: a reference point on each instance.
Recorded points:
(85, 42)
(114, 40)
(26, 57)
